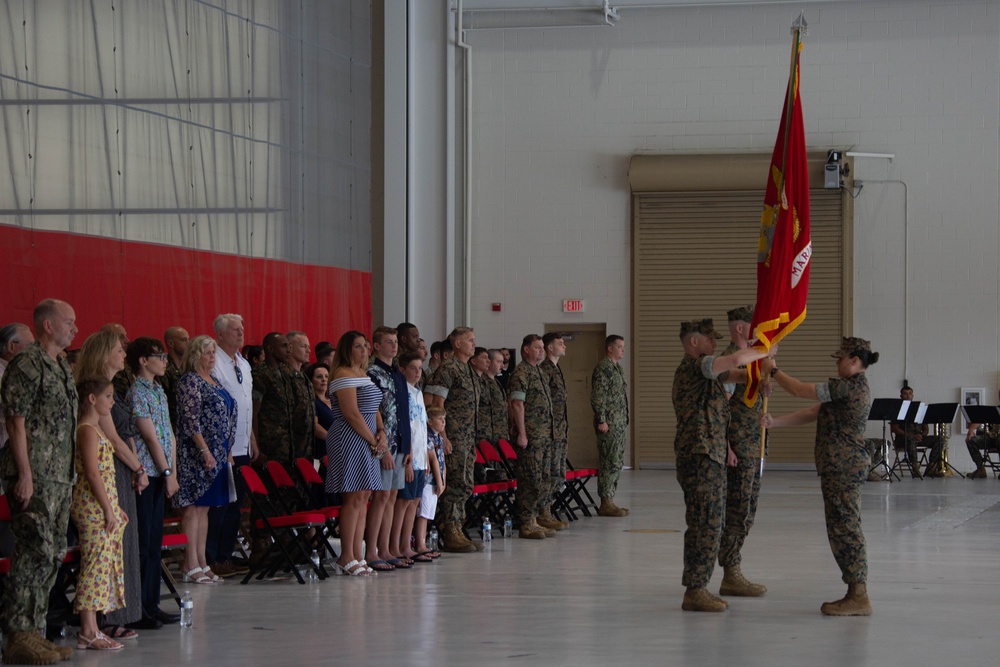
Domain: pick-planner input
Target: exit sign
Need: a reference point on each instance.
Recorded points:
(573, 305)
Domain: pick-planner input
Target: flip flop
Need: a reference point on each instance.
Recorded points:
(119, 632)
(386, 566)
(422, 558)
(400, 563)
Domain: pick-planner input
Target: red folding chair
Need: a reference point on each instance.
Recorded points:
(171, 542)
(286, 532)
(292, 502)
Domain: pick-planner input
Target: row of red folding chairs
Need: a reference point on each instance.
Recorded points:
(496, 498)
(289, 521)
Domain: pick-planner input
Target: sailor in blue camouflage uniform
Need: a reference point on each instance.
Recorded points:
(841, 460)
(702, 410)
(40, 402)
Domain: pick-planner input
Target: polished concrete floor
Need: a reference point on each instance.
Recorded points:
(608, 591)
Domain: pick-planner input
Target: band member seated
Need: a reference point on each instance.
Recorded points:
(909, 436)
(982, 439)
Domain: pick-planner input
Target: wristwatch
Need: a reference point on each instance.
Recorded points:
(168, 472)
(773, 371)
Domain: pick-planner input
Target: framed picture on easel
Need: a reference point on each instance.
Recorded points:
(971, 396)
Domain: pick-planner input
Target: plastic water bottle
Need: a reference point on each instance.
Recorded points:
(508, 527)
(187, 610)
(314, 559)
(432, 539)
(487, 530)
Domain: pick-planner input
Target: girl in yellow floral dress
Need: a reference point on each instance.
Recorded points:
(99, 518)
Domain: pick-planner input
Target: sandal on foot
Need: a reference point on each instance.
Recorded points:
(118, 632)
(100, 642)
(381, 565)
(212, 576)
(197, 575)
(422, 558)
(351, 569)
(401, 563)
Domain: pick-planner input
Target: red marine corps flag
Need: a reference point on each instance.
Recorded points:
(784, 248)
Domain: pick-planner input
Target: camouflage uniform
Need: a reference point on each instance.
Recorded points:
(909, 443)
(457, 384)
(742, 480)
(500, 429)
(484, 416)
(527, 384)
(169, 382)
(303, 414)
(702, 411)
(842, 463)
(280, 433)
(123, 381)
(560, 427)
(42, 391)
(609, 400)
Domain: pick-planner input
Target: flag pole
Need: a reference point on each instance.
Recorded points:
(799, 27)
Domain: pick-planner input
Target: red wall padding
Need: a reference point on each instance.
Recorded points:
(148, 287)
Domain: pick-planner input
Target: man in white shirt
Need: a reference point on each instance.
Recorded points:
(233, 372)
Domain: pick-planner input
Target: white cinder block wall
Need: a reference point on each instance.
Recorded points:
(558, 113)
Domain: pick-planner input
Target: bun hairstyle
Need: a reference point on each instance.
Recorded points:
(867, 358)
(89, 386)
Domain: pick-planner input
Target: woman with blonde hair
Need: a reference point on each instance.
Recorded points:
(102, 355)
(206, 425)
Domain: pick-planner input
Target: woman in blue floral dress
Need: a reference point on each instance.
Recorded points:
(206, 424)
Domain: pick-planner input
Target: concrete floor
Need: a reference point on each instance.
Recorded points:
(608, 590)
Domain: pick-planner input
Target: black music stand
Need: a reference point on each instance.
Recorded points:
(886, 410)
(937, 414)
(981, 414)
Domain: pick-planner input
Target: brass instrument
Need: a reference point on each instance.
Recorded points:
(944, 432)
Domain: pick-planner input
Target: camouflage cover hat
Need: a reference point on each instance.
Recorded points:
(850, 345)
(741, 314)
(704, 326)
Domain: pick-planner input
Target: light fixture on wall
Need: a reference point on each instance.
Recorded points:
(831, 171)
(611, 15)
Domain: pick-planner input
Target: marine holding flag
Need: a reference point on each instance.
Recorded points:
(844, 401)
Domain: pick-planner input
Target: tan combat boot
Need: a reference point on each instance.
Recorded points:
(453, 541)
(65, 652)
(608, 508)
(619, 507)
(26, 648)
(530, 530)
(855, 603)
(980, 473)
(546, 520)
(699, 599)
(735, 584)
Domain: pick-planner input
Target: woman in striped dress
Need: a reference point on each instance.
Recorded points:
(355, 442)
